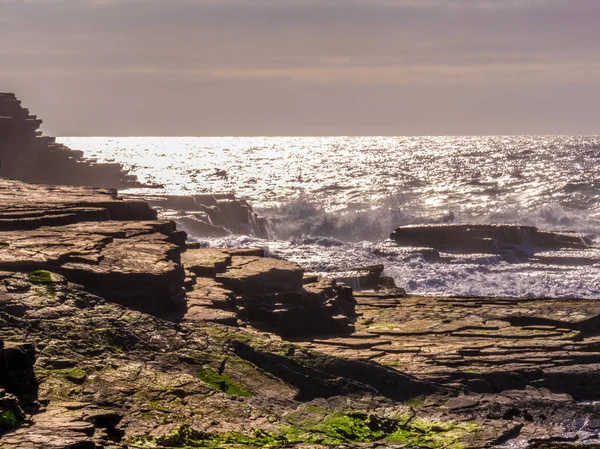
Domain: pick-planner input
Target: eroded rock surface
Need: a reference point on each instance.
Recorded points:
(486, 344)
(115, 333)
(217, 215)
(268, 293)
(110, 376)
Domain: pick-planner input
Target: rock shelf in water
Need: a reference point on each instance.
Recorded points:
(216, 215)
(513, 241)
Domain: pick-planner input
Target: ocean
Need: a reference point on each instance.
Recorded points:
(332, 201)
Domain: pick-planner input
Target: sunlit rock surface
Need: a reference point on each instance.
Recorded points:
(117, 333)
(91, 237)
(266, 292)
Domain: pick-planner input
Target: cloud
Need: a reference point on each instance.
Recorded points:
(442, 49)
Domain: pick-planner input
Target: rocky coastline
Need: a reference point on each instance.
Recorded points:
(28, 155)
(117, 332)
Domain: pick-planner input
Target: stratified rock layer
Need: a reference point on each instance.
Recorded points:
(268, 293)
(118, 250)
(487, 345)
(215, 215)
(115, 333)
(114, 248)
(27, 155)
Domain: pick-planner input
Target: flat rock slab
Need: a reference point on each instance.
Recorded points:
(206, 261)
(129, 262)
(129, 248)
(209, 301)
(487, 344)
(253, 275)
(114, 248)
(28, 206)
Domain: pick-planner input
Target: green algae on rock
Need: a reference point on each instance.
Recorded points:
(41, 277)
(47, 279)
(335, 429)
(222, 382)
(9, 421)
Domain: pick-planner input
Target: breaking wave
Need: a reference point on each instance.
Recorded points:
(332, 202)
(302, 217)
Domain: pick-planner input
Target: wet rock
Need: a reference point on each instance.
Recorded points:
(367, 278)
(212, 215)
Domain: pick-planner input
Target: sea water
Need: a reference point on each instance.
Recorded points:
(333, 201)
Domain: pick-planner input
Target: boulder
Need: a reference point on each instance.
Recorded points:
(272, 295)
(229, 286)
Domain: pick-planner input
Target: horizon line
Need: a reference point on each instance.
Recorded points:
(319, 136)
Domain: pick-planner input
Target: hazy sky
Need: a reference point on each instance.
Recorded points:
(304, 67)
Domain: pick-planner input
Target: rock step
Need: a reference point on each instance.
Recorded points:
(206, 262)
(268, 293)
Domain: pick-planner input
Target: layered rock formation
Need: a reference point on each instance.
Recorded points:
(117, 333)
(112, 377)
(268, 293)
(27, 155)
(114, 248)
(118, 250)
(217, 215)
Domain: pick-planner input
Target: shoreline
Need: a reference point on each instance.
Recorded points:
(99, 312)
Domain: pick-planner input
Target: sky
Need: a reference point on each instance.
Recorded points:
(304, 67)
